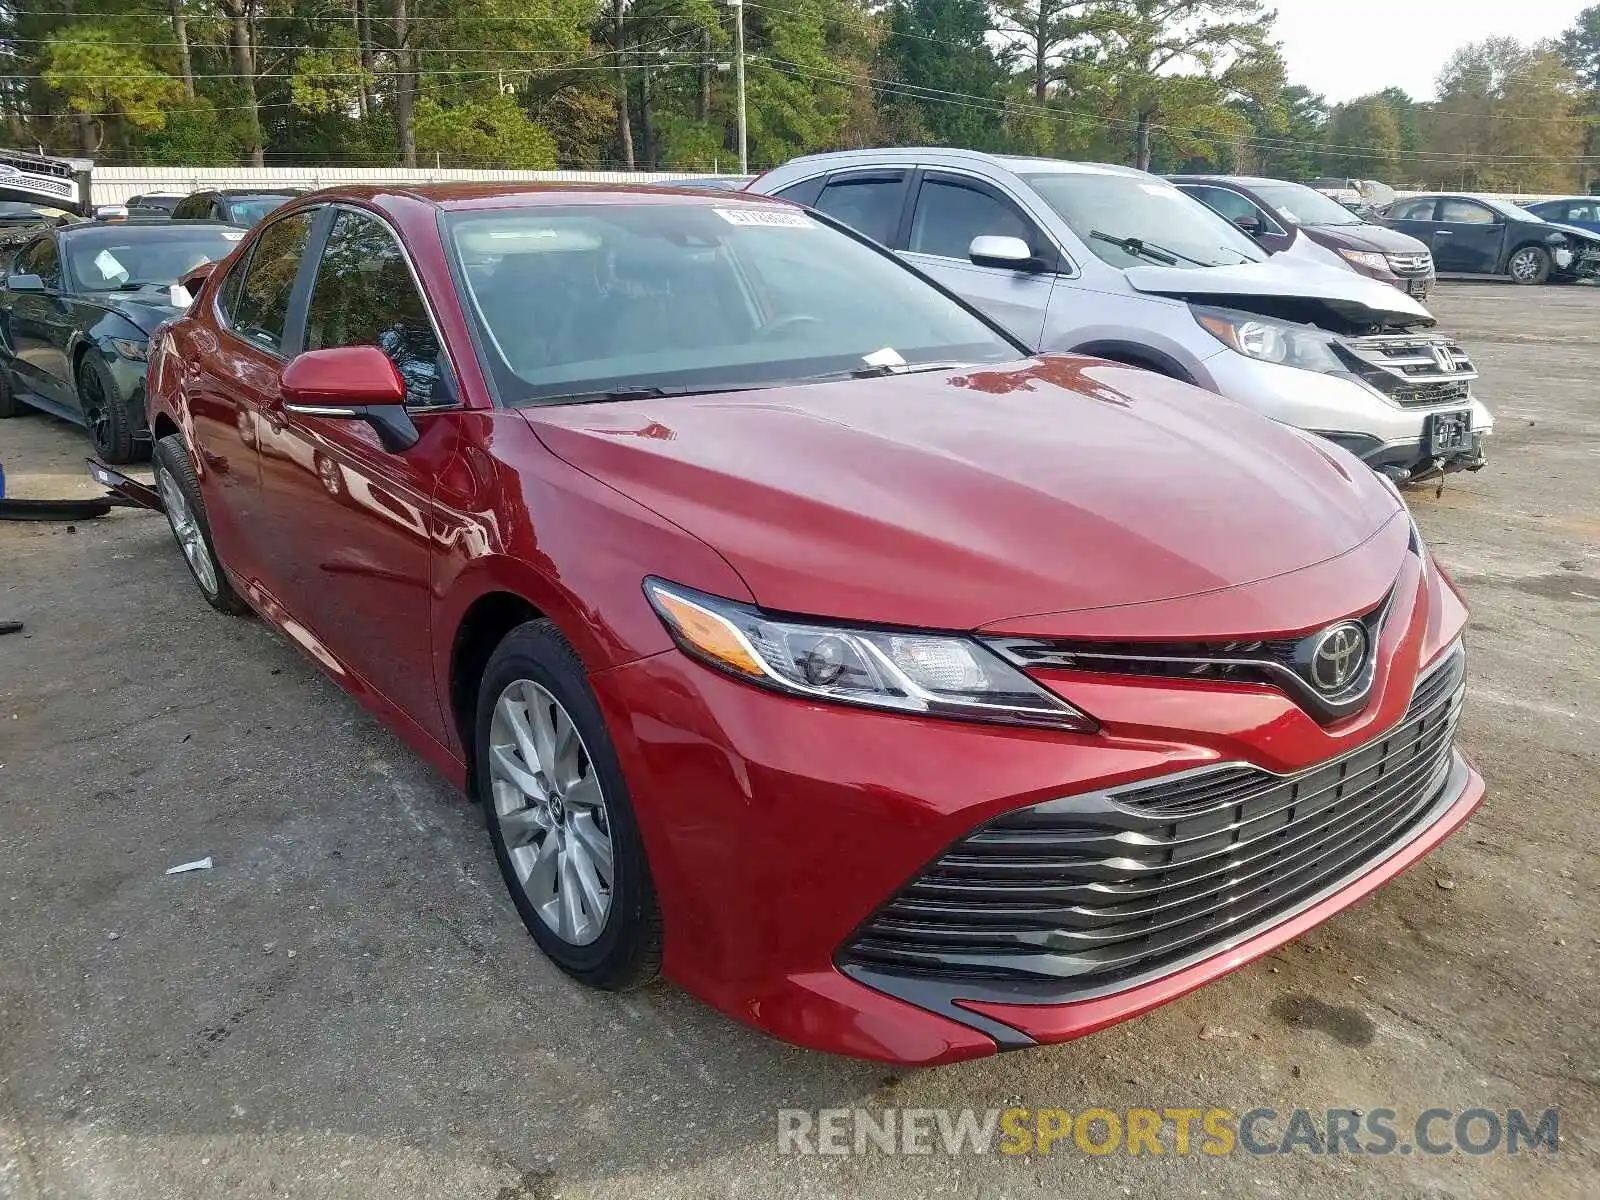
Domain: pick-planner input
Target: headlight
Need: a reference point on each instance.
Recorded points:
(138, 351)
(944, 675)
(1370, 259)
(1272, 341)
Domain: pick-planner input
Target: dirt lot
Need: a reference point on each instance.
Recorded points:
(346, 1006)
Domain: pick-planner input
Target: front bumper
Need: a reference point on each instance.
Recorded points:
(776, 828)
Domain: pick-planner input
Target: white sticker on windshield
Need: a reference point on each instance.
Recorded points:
(766, 216)
(1160, 189)
(109, 267)
(233, 235)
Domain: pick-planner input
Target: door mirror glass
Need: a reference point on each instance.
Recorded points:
(24, 283)
(1250, 223)
(990, 250)
(352, 383)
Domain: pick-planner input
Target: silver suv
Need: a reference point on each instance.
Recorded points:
(1105, 260)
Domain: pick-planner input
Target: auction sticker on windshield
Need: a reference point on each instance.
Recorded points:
(766, 216)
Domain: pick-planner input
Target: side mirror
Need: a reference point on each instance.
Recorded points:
(1250, 224)
(24, 283)
(352, 383)
(111, 212)
(990, 250)
(191, 279)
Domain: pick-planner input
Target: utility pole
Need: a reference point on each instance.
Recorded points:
(738, 74)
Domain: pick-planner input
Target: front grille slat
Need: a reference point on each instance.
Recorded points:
(1091, 890)
(1408, 368)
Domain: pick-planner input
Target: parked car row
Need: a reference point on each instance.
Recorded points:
(1091, 259)
(802, 629)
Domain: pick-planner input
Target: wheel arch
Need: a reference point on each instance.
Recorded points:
(482, 627)
(1135, 354)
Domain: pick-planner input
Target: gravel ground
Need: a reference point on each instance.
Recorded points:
(346, 1006)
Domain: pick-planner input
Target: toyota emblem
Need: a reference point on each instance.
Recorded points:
(1337, 656)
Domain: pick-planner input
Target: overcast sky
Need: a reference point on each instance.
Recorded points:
(1352, 47)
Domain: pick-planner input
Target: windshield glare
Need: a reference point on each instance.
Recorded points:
(1305, 206)
(576, 300)
(127, 256)
(1154, 212)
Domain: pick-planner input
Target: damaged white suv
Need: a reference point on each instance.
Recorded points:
(1105, 260)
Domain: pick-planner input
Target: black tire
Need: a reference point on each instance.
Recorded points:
(172, 461)
(105, 411)
(627, 952)
(1528, 265)
(10, 406)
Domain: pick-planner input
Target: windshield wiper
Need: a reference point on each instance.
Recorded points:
(1144, 249)
(640, 391)
(879, 370)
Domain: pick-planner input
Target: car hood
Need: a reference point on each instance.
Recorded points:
(146, 308)
(1367, 237)
(955, 500)
(1587, 236)
(1303, 288)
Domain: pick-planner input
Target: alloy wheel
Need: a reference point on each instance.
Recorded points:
(94, 409)
(551, 812)
(187, 530)
(1524, 264)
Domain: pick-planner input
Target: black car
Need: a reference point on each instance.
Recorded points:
(154, 206)
(1481, 235)
(76, 314)
(232, 206)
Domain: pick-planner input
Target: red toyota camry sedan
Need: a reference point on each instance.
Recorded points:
(802, 638)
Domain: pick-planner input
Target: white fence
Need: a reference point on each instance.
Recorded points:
(112, 185)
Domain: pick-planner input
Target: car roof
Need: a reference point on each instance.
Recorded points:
(238, 193)
(1015, 163)
(452, 196)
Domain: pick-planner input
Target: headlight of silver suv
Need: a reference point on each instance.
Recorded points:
(934, 674)
(1281, 342)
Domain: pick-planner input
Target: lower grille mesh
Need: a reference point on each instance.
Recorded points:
(1095, 890)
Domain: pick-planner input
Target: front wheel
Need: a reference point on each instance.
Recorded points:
(1530, 264)
(186, 514)
(105, 409)
(559, 814)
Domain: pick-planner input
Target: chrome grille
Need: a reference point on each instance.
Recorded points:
(1411, 264)
(1415, 371)
(1090, 893)
(1281, 663)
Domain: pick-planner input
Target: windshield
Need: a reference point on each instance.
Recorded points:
(247, 210)
(1101, 206)
(1304, 206)
(586, 299)
(110, 257)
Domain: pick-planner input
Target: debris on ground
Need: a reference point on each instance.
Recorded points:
(10, 627)
(1212, 1032)
(199, 864)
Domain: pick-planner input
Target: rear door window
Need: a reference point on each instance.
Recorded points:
(1412, 210)
(262, 307)
(869, 204)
